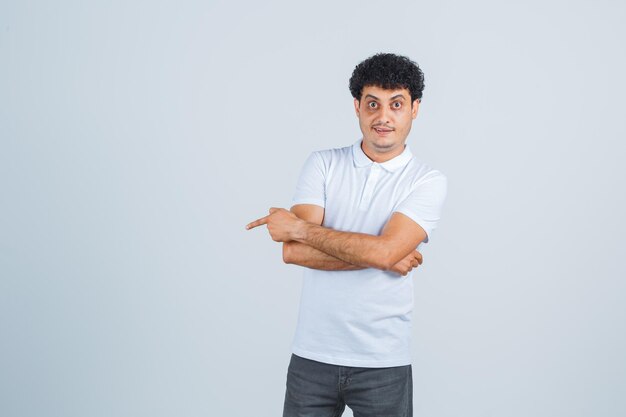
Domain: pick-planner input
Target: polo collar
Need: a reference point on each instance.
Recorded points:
(362, 160)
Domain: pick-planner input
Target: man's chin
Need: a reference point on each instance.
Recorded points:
(383, 145)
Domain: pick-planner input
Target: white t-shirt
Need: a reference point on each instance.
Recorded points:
(362, 318)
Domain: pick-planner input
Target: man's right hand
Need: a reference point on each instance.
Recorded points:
(412, 260)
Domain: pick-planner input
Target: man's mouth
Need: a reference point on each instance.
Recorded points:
(383, 131)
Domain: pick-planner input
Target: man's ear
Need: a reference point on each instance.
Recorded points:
(356, 107)
(414, 107)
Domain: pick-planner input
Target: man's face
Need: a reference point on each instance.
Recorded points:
(385, 118)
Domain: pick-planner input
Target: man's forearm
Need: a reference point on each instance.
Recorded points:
(304, 255)
(359, 249)
(396, 242)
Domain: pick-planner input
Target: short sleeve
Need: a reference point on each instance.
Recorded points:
(424, 203)
(311, 188)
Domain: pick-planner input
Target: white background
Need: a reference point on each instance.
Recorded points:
(138, 138)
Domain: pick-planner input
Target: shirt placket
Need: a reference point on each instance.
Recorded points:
(370, 186)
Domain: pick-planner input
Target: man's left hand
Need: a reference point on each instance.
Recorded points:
(281, 224)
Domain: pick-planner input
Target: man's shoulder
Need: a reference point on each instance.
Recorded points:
(334, 155)
(335, 151)
(424, 172)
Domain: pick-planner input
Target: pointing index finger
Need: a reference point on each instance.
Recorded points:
(258, 222)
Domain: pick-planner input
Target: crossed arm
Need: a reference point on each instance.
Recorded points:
(304, 255)
(307, 243)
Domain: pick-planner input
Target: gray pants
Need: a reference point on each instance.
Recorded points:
(316, 389)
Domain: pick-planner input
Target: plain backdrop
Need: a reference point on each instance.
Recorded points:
(139, 137)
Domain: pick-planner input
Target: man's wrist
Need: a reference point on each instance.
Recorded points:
(300, 231)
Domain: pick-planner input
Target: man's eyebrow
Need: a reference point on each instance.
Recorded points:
(397, 96)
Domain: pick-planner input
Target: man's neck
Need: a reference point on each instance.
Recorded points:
(379, 157)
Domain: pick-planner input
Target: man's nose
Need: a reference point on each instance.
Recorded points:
(383, 115)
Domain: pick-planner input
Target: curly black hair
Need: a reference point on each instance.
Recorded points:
(388, 71)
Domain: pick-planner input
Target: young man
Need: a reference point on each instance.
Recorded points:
(359, 214)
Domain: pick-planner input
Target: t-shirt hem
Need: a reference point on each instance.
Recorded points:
(362, 363)
(314, 201)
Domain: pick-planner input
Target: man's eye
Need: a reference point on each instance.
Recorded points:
(397, 105)
(372, 104)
